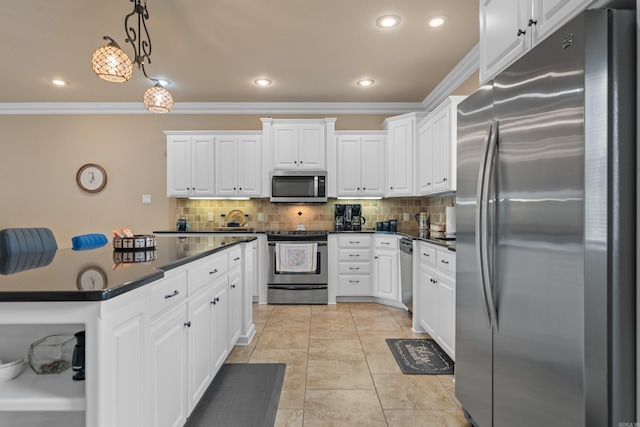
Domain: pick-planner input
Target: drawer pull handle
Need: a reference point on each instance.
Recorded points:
(444, 262)
(354, 255)
(354, 281)
(172, 295)
(215, 270)
(354, 268)
(188, 324)
(215, 300)
(426, 254)
(236, 259)
(355, 243)
(385, 243)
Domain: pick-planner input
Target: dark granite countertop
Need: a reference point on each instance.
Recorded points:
(99, 274)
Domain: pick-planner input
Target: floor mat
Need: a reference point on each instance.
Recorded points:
(241, 394)
(420, 356)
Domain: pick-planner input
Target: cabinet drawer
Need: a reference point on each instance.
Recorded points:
(346, 267)
(386, 242)
(354, 241)
(427, 255)
(447, 262)
(354, 285)
(354, 254)
(168, 292)
(210, 268)
(235, 257)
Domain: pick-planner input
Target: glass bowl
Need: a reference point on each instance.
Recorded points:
(51, 354)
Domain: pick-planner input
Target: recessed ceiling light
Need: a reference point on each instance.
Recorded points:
(388, 21)
(262, 82)
(365, 82)
(437, 21)
(59, 82)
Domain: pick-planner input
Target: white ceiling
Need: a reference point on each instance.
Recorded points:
(212, 51)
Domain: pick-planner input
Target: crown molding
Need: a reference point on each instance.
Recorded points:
(461, 72)
(261, 108)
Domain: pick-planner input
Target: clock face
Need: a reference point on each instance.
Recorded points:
(91, 178)
(91, 278)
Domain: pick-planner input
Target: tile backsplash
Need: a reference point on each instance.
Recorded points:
(314, 217)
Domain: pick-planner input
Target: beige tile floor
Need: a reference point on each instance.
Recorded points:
(340, 371)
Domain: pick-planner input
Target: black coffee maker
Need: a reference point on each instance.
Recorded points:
(338, 216)
(348, 217)
(77, 360)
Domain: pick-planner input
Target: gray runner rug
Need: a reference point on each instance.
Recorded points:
(241, 394)
(420, 356)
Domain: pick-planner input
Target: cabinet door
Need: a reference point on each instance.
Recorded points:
(169, 369)
(349, 176)
(178, 166)
(373, 165)
(250, 166)
(285, 146)
(427, 297)
(200, 338)
(235, 307)
(400, 158)
(441, 158)
(500, 44)
(385, 274)
(220, 303)
(226, 170)
(445, 310)
(311, 146)
(425, 157)
(202, 166)
(551, 14)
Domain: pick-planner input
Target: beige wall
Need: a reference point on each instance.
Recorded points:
(40, 155)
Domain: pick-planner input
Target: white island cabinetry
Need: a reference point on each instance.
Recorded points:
(151, 352)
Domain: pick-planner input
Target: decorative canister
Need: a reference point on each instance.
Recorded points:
(423, 220)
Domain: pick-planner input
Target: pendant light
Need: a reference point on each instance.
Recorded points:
(112, 64)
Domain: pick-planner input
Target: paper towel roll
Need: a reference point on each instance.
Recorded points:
(450, 220)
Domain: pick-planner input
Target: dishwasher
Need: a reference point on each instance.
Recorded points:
(406, 272)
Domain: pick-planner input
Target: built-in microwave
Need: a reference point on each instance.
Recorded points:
(298, 186)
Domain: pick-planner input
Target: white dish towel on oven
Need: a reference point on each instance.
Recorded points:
(296, 257)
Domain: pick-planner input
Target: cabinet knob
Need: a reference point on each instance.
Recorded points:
(187, 324)
(428, 183)
(233, 286)
(444, 262)
(391, 188)
(215, 300)
(215, 270)
(172, 295)
(521, 32)
(234, 188)
(236, 259)
(444, 179)
(240, 188)
(532, 22)
(364, 188)
(375, 257)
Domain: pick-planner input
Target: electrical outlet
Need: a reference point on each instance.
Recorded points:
(210, 217)
(406, 217)
(260, 217)
(146, 198)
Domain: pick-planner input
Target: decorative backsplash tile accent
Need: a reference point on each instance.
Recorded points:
(314, 217)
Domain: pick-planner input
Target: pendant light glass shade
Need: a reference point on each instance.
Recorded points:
(111, 63)
(158, 100)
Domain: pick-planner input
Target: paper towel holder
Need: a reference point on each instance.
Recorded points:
(450, 221)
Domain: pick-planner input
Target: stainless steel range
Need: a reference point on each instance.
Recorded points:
(297, 267)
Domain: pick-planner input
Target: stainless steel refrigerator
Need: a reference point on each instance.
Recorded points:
(545, 290)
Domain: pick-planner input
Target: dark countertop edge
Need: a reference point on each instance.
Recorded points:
(203, 254)
(209, 232)
(105, 294)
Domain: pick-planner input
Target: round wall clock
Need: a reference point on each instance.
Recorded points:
(91, 178)
(91, 278)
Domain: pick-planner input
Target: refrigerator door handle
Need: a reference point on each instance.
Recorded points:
(481, 223)
(484, 208)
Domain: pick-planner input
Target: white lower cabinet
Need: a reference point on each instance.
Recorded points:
(386, 281)
(435, 291)
(354, 265)
(235, 304)
(200, 327)
(220, 317)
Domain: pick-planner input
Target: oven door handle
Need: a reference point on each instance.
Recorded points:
(297, 243)
(298, 287)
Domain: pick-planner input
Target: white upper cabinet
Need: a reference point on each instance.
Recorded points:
(238, 166)
(298, 145)
(436, 149)
(190, 162)
(401, 132)
(361, 165)
(509, 28)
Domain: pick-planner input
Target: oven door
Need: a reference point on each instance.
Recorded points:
(317, 277)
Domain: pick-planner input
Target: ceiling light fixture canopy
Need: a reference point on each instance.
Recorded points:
(111, 63)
